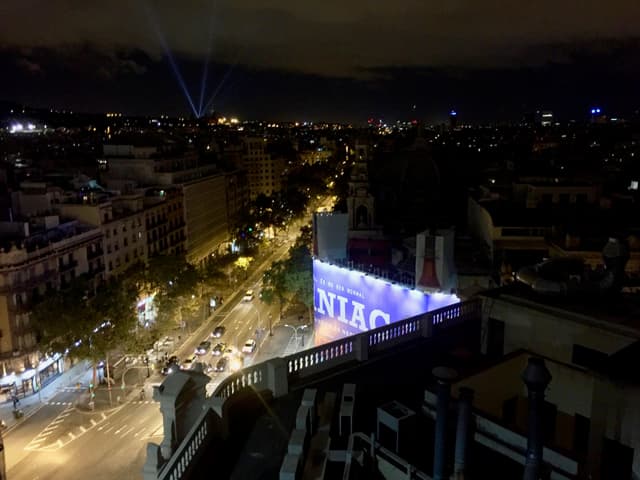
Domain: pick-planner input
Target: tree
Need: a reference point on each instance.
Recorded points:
(177, 288)
(274, 287)
(88, 327)
(299, 276)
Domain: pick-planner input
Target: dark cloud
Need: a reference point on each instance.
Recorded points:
(29, 66)
(327, 37)
(323, 59)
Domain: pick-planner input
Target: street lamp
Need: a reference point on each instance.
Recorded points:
(258, 312)
(295, 330)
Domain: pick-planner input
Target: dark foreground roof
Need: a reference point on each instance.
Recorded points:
(260, 426)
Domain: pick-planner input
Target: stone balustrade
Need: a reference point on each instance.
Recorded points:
(280, 375)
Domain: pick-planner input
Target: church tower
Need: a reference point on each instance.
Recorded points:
(360, 202)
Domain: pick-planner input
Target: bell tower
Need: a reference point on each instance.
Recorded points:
(360, 202)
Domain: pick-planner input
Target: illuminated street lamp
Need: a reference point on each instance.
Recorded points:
(295, 330)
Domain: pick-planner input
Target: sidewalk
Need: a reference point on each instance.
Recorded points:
(80, 372)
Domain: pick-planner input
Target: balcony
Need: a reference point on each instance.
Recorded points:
(95, 270)
(281, 376)
(20, 308)
(65, 267)
(30, 283)
(91, 254)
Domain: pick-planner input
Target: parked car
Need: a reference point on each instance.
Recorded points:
(207, 368)
(203, 348)
(221, 366)
(171, 365)
(218, 331)
(219, 349)
(188, 363)
(249, 346)
(248, 296)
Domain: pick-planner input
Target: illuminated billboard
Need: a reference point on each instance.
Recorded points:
(347, 302)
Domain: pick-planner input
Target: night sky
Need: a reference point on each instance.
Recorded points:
(324, 60)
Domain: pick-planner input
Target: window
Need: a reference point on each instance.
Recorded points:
(125, 241)
(110, 266)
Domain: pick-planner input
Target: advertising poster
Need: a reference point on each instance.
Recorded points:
(348, 302)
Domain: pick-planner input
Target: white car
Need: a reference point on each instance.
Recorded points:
(248, 296)
(249, 346)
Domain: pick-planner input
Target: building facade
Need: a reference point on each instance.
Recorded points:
(40, 260)
(264, 171)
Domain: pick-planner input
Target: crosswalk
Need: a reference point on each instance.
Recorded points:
(57, 434)
(43, 436)
(69, 404)
(130, 428)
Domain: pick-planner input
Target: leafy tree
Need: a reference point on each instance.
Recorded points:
(274, 285)
(177, 287)
(299, 276)
(88, 326)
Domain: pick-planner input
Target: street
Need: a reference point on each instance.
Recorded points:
(61, 441)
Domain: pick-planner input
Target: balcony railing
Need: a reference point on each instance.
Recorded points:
(294, 370)
(65, 267)
(91, 254)
(355, 348)
(96, 270)
(189, 449)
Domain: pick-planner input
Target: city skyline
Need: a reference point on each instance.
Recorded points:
(301, 62)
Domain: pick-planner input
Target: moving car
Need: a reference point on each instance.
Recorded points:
(218, 331)
(249, 346)
(248, 296)
(203, 348)
(221, 366)
(219, 349)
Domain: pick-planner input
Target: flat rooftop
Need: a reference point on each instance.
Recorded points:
(620, 312)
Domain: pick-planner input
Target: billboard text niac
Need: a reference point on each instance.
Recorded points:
(348, 302)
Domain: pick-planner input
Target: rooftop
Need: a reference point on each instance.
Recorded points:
(262, 426)
(619, 312)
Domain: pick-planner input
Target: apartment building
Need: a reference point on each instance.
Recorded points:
(37, 256)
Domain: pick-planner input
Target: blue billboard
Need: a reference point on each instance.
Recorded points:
(348, 302)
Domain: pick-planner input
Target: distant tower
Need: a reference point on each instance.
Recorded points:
(597, 116)
(453, 119)
(360, 202)
(546, 118)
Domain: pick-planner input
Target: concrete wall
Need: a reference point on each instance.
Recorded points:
(552, 332)
(91, 214)
(496, 384)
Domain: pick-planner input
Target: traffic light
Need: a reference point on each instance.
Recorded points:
(250, 229)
